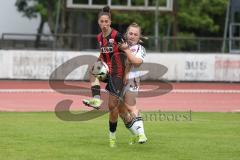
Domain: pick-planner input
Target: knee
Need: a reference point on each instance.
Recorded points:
(112, 106)
(134, 111)
(94, 81)
(113, 115)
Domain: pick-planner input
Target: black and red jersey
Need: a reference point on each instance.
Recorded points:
(110, 53)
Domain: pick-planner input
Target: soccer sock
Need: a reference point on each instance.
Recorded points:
(135, 126)
(112, 129)
(96, 91)
(140, 124)
(112, 135)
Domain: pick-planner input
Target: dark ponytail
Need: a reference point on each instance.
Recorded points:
(105, 11)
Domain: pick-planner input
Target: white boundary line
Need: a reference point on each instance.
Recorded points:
(197, 91)
(215, 91)
(236, 110)
(5, 109)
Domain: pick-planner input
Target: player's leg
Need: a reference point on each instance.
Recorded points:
(137, 122)
(128, 120)
(114, 87)
(94, 102)
(113, 118)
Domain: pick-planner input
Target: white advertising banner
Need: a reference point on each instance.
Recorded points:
(185, 67)
(199, 67)
(227, 68)
(5, 64)
(32, 65)
(156, 66)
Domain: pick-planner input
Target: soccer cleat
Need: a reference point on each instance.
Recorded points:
(112, 142)
(142, 138)
(133, 140)
(94, 103)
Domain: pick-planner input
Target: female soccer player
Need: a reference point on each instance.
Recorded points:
(110, 53)
(133, 122)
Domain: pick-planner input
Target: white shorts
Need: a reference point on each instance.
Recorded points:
(132, 86)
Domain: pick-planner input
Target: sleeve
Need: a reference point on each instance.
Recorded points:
(141, 52)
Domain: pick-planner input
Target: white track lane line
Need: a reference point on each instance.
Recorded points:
(197, 91)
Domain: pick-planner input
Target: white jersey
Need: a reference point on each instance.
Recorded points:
(134, 73)
(139, 52)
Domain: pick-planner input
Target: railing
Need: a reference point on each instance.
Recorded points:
(198, 44)
(78, 42)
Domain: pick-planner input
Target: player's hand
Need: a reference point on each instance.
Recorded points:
(123, 45)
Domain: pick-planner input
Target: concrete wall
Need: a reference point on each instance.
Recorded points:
(73, 65)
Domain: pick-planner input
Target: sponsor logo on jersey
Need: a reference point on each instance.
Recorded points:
(111, 41)
(106, 49)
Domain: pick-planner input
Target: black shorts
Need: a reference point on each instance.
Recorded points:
(114, 85)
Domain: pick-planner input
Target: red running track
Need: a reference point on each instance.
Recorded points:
(25, 96)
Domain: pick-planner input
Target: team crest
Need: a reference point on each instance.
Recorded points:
(100, 43)
(111, 41)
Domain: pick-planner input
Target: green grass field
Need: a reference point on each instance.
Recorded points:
(42, 136)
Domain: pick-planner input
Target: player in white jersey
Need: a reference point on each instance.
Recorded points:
(134, 121)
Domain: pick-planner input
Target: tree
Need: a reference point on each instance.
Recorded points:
(195, 18)
(202, 17)
(47, 10)
(192, 18)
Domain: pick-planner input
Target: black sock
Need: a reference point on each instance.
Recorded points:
(95, 90)
(112, 126)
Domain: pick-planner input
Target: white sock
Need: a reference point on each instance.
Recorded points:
(136, 126)
(133, 129)
(139, 126)
(112, 135)
(97, 96)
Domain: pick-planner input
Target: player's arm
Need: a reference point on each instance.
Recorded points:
(134, 60)
(124, 47)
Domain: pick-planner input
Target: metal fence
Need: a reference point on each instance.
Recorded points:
(76, 42)
(198, 44)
